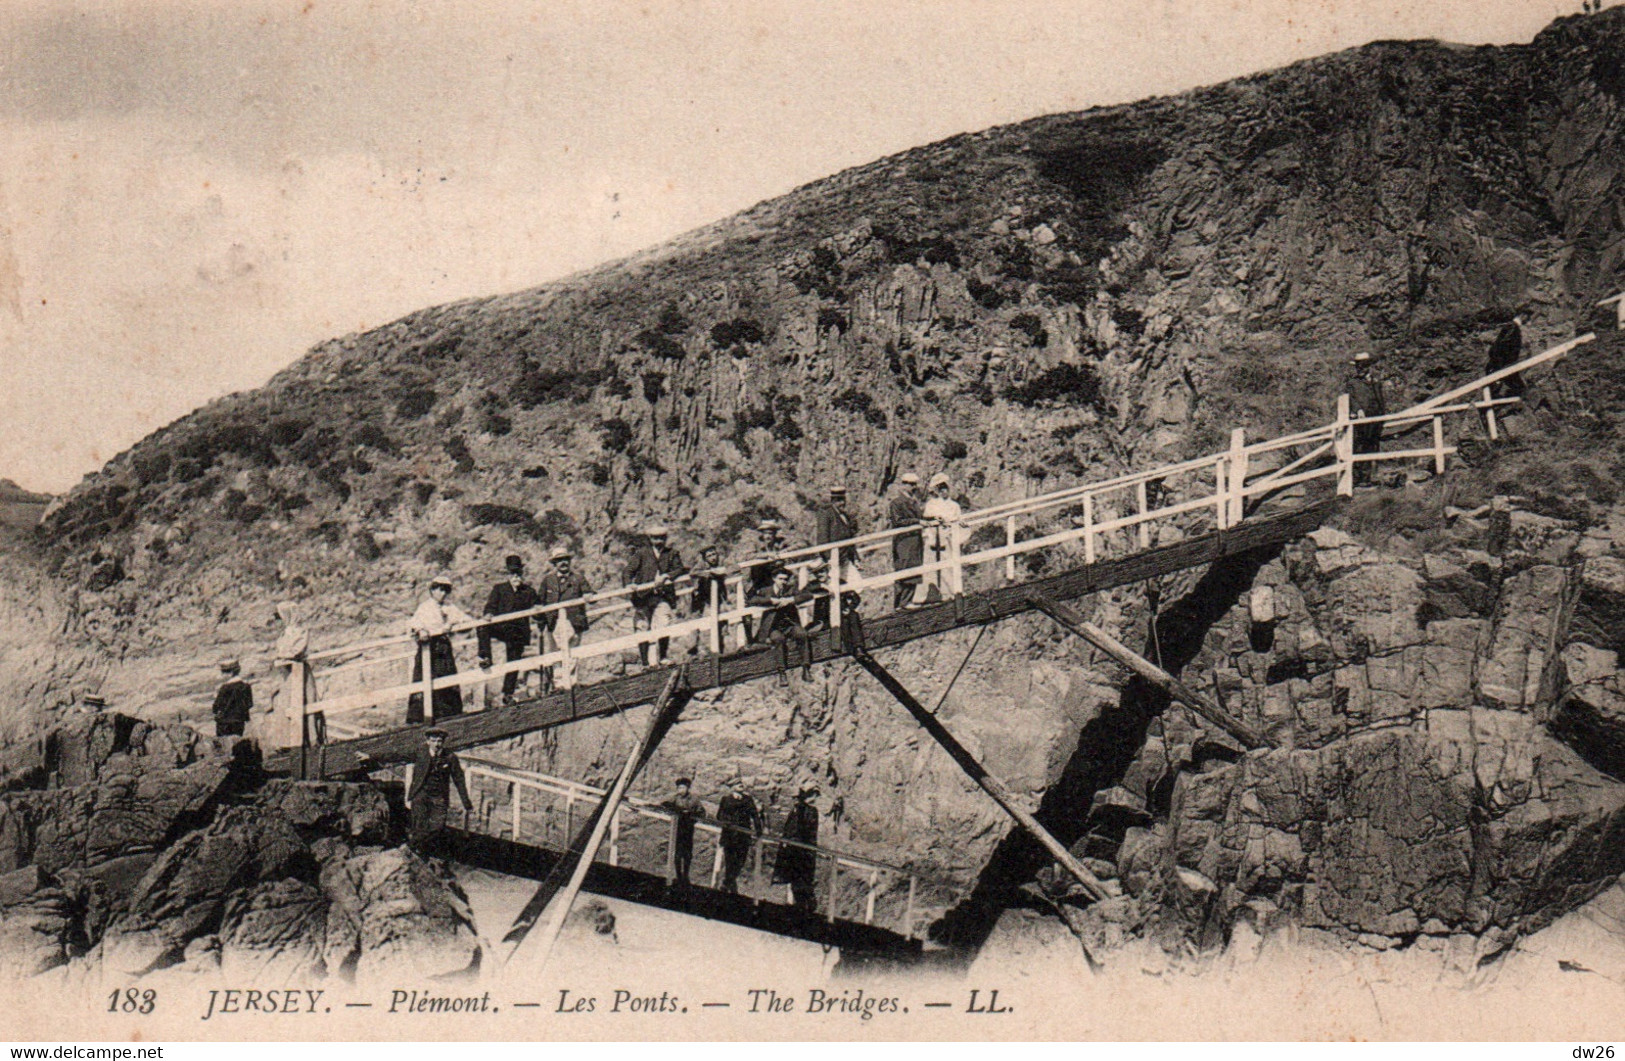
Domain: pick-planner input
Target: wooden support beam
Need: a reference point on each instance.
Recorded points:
(672, 699)
(978, 773)
(364, 754)
(1069, 618)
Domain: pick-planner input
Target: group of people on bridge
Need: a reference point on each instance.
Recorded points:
(791, 606)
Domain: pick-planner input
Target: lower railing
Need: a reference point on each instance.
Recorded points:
(539, 810)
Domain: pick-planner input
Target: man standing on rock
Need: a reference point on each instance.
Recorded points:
(655, 567)
(233, 703)
(563, 626)
(686, 810)
(1365, 399)
(741, 821)
(797, 865)
(907, 550)
(513, 594)
(428, 793)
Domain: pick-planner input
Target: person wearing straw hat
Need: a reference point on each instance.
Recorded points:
(1365, 399)
(655, 567)
(907, 550)
(941, 516)
(512, 594)
(431, 626)
(797, 865)
(564, 626)
(233, 701)
(428, 791)
(741, 821)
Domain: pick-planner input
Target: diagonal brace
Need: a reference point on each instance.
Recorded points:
(978, 773)
(673, 698)
(1068, 617)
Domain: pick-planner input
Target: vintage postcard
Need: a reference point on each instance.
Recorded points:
(781, 521)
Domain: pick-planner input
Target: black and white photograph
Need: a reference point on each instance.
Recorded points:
(874, 521)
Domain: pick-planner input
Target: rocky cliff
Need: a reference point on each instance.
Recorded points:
(1036, 304)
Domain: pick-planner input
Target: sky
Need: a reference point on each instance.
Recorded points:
(195, 192)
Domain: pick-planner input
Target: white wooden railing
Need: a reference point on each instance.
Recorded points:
(534, 808)
(1081, 524)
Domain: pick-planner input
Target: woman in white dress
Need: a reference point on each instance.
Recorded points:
(941, 517)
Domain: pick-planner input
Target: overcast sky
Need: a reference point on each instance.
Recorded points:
(193, 192)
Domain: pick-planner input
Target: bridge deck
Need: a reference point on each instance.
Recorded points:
(712, 672)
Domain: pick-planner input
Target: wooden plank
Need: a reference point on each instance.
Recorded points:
(1069, 618)
(978, 773)
(712, 672)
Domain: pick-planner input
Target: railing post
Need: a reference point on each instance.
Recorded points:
(835, 588)
(908, 909)
(615, 837)
(1237, 475)
(1143, 502)
(671, 853)
(1088, 528)
(1010, 543)
(518, 797)
(567, 670)
(569, 816)
(958, 571)
(869, 901)
(1438, 445)
(293, 721)
(715, 604)
(834, 880)
(1489, 417)
(427, 672)
(716, 863)
(1343, 447)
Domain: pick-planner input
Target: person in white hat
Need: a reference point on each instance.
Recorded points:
(907, 550)
(431, 627)
(655, 569)
(941, 514)
(564, 626)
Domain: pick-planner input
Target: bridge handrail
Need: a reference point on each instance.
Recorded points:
(651, 808)
(1225, 492)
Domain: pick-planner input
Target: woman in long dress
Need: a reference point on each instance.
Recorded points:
(431, 625)
(941, 515)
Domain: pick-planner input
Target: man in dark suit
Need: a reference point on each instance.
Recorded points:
(564, 626)
(797, 866)
(907, 550)
(686, 810)
(741, 821)
(1365, 399)
(434, 774)
(656, 567)
(233, 703)
(513, 594)
(781, 622)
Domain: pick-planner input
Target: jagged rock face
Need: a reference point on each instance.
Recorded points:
(1447, 756)
(183, 865)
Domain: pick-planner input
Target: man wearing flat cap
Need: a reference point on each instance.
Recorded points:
(431, 627)
(655, 568)
(428, 792)
(512, 594)
(797, 864)
(741, 821)
(233, 702)
(563, 626)
(686, 810)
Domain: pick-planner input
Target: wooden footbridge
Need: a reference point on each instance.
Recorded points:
(990, 564)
